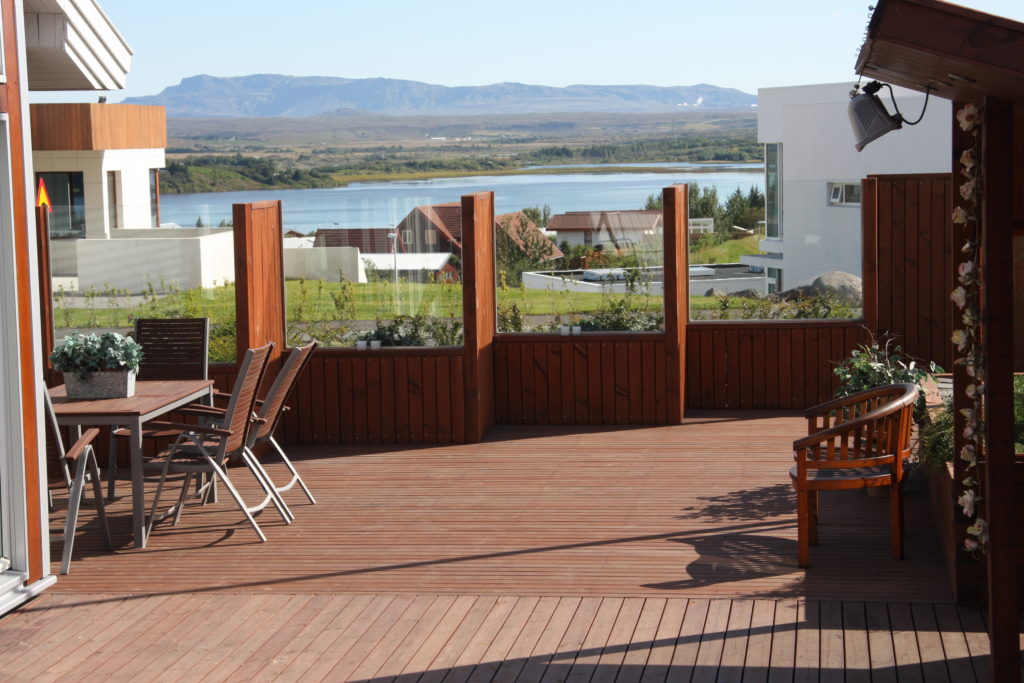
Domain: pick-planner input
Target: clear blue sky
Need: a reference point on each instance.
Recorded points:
(744, 44)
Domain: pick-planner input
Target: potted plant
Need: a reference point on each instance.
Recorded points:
(98, 366)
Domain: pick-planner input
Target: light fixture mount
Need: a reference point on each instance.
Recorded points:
(868, 116)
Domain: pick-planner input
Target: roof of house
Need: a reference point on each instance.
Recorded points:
(606, 220)
(367, 240)
(447, 220)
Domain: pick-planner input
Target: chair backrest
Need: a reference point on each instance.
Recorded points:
(238, 417)
(864, 429)
(173, 348)
(273, 403)
(54, 442)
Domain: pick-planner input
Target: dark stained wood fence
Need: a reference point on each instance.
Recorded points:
(407, 395)
(908, 262)
(594, 379)
(770, 365)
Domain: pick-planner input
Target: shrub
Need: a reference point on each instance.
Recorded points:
(879, 363)
(88, 353)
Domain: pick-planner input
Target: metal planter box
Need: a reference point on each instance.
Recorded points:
(100, 385)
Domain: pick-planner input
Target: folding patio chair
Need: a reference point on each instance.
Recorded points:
(207, 448)
(268, 414)
(82, 455)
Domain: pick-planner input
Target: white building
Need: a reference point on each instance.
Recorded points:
(813, 174)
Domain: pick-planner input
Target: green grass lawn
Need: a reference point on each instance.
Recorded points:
(728, 252)
(313, 300)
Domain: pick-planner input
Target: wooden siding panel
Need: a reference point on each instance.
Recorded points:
(416, 408)
(555, 382)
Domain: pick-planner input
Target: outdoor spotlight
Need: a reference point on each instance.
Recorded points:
(868, 116)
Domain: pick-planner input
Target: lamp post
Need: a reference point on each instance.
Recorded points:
(393, 236)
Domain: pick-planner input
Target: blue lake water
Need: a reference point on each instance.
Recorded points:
(385, 204)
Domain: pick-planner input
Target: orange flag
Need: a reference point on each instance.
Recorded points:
(43, 197)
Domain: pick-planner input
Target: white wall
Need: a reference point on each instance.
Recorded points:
(198, 261)
(324, 263)
(132, 165)
(813, 126)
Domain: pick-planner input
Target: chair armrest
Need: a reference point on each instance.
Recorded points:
(201, 409)
(83, 442)
(182, 427)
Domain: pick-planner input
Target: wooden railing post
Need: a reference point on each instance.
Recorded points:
(259, 276)
(45, 283)
(478, 309)
(676, 295)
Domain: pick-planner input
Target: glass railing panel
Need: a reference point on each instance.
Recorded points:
(740, 271)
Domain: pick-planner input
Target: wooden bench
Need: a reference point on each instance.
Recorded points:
(857, 441)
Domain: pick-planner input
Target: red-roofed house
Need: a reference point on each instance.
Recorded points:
(620, 230)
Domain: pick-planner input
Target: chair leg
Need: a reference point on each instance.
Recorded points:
(802, 530)
(291, 468)
(156, 500)
(97, 492)
(268, 485)
(219, 472)
(896, 519)
(181, 498)
(112, 465)
(75, 500)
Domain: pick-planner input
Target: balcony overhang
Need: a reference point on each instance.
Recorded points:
(72, 45)
(959, 53)
(97, 127)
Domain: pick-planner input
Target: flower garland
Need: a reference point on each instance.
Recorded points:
(967, 338)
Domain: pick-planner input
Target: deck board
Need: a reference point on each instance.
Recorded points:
(545, 553)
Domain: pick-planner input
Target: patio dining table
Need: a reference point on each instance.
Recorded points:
(151, 400)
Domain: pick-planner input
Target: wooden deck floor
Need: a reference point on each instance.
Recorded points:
(544, 553)
(704, 509)
(459, 638)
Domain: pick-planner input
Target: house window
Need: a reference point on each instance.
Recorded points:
(430, 238)
(407, 238)
(844, 194)
(113, 200)
(774, 280)
(773, 190)
(154, 198)
(67, 199)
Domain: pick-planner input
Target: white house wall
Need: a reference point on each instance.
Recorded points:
(324, 263)
(134, 263)
(133, 167)
(812, 124)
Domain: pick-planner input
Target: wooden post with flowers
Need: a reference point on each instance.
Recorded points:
(967, 357)
(983, 375)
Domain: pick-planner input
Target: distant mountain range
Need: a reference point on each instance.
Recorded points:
(266, 95)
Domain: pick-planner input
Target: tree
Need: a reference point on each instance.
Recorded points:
(654, 203)
(513, 260)
(199, 222)
(540, 217)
